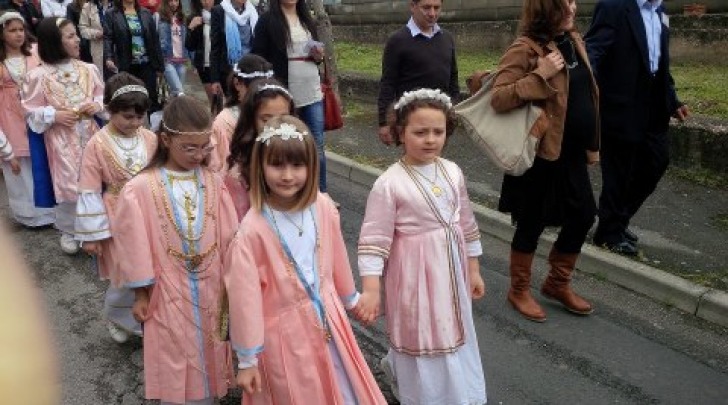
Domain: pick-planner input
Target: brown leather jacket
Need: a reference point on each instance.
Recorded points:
(518, 81)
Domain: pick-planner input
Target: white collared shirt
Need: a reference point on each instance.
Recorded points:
(653, 30)
(415, 30)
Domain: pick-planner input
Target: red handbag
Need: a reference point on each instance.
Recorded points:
(332, 107)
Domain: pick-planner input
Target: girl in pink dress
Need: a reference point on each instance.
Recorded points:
(111, 158)
(289, 283)
(60, 98)
(174, 222)
(17, 58)
(264, 99)
(420, 235)
(250, 68)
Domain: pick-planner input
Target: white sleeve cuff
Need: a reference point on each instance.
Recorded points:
(41, 119)
(247, 362)
(370, 265)
(474, 248)
(351, 301)
(92, 222)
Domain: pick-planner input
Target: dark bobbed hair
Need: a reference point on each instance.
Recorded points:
(247, 64)
(119, 5)
(185, 114)
(398, 119)
(50, 44)
(279, 151)
(25, 48)
(279, 29)
(241, 144)
(135, 100)
(541, 19)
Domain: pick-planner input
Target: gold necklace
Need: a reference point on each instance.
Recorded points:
(133, 165)
(436, 190)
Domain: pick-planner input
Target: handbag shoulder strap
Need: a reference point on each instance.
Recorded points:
(532, 44)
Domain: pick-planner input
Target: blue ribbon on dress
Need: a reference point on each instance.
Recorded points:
(43, 194)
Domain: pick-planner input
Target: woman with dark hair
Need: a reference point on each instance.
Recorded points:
(61, 98)
(17, 58)
(91, 25)
(286, 37)
(73, 13)
(131, 44)
(548, 65)
(232, 23)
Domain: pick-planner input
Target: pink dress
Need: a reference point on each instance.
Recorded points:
(238, 188)
(13, 72)
(63, 87)
(272, 316)
(178, 250)
(104, 172)
(222, 133)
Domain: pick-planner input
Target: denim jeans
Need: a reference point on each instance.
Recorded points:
(175, 73)
(313, 116)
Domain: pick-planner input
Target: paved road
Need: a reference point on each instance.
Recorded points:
(631, 350)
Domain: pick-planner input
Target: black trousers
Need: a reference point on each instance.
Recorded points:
(630, 174)
(148, 75)
(570, 240)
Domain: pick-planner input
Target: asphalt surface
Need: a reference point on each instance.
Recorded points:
(630, 351)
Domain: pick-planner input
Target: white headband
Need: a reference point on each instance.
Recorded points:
(252, 75)
(130, 88)
(275, 87)
(11, 16)
(423, 94)
(286, 131)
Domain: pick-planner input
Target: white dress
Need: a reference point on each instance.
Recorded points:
(448, 379)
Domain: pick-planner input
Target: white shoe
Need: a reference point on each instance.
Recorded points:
(119, 335)
(389, 376)
(68, 244)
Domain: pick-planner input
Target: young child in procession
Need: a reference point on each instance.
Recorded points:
(266, 98)
(251, 67)
(18, 57)
(111, 158)
(172, 33)
(174, 222)
(420, 235)
(289, 283)
(61, 97)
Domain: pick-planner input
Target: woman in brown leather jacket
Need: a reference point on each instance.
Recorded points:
(556, 191)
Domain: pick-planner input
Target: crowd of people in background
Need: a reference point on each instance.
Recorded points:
(215, 229)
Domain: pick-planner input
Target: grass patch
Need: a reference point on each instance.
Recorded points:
(720, 221)
(367, 59)
(702, 87)
(701, 176)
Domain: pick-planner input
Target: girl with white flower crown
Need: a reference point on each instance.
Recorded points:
(111, 158)
(174, 222)
(420, 235)
(290, 284)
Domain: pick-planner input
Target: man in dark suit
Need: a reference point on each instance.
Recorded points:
(627, 45)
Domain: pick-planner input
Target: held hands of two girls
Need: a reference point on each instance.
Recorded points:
(14, 166)
(92, 248)
(477, 285)
(249, 380)
(367, 310)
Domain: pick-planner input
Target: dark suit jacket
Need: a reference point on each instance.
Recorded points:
(117, 39)
(617, 47)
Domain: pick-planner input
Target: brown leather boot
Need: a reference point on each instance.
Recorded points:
(519, 295)
(557, 285)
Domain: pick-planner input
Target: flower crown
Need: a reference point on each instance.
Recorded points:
(286, 131)
(424, 94)
(129, 88)
(252, 75)
(177, 132)
(275, 87)
(11, 16)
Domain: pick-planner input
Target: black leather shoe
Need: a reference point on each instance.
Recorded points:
(624, 248)
(630, 236)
